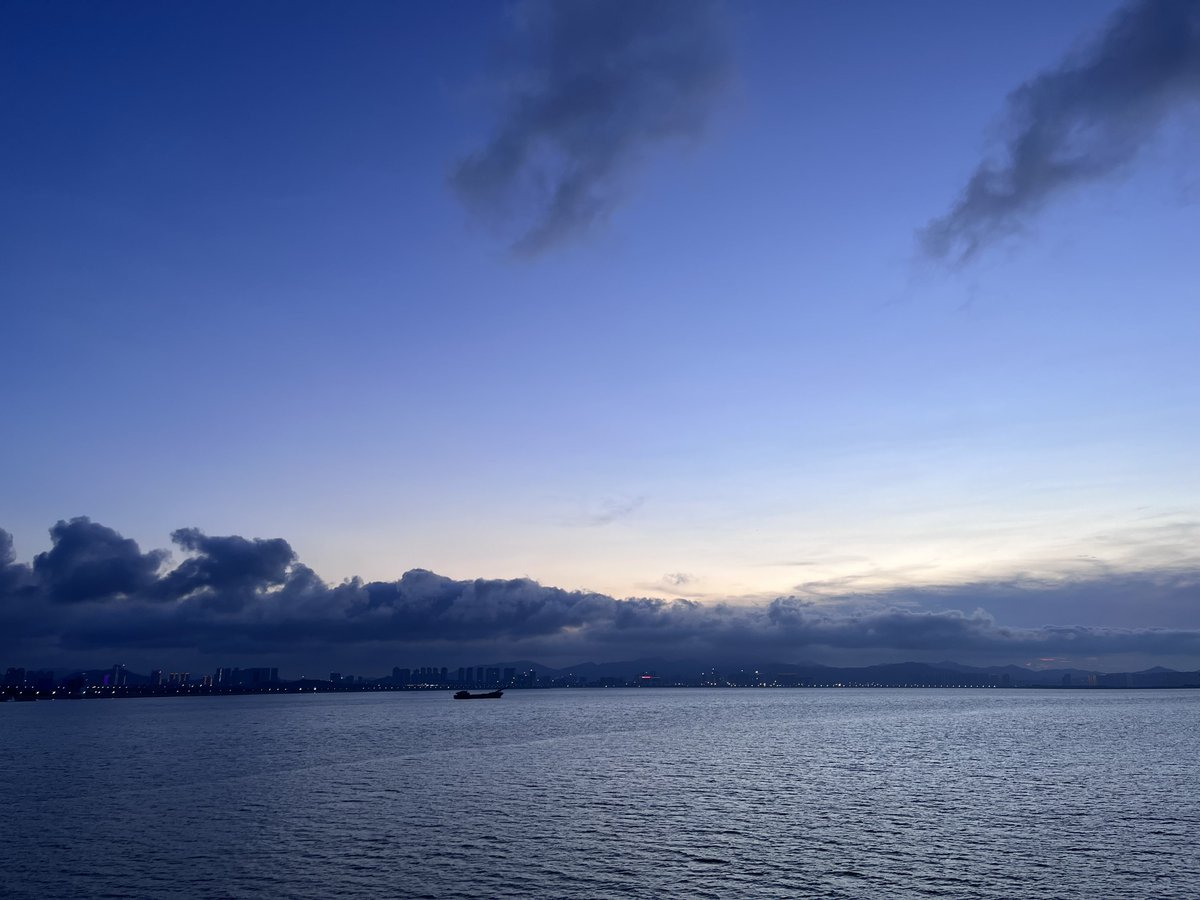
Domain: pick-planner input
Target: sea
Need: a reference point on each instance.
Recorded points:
(593, 793)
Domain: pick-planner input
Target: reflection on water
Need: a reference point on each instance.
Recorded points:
(651, 793)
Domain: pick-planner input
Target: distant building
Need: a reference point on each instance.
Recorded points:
(258, 676)
(253, 677)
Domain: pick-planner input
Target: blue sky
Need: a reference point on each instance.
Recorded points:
(241, 293)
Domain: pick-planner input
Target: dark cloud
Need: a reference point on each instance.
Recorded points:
(1079, 122)
(88, 561)
(238, 598)
(599, 84)
(12, 576)
(226, 571)
(940, 630)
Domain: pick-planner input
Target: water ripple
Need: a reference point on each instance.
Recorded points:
(583, 794)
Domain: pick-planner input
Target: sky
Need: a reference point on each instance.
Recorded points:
(408, 333)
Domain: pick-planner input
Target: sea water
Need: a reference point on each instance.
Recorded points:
(605, 793)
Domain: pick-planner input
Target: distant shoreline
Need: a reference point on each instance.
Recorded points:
(136, 693)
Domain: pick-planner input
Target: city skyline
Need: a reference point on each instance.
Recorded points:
(120, 681)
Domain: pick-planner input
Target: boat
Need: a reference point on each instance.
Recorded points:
(467, 695)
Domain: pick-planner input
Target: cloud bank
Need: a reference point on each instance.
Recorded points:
(600, 83)
(1080, 122)
(236, 598)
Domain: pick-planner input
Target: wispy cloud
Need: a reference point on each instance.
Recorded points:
(678, 579)
(1080, 122)
(677, 584)
(611, 510)
(600, 83)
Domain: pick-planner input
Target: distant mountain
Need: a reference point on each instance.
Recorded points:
(947, 674)
(521, 665)
(664, 668)
(694, 671)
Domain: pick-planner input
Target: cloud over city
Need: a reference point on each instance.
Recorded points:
(95, 590)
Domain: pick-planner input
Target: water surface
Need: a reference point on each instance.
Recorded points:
(595, 793)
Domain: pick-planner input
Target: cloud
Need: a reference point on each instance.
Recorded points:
(88, 561)
(95, 592)
(611, 510)
(13, 577)
(600, 83)
(1080, 122)
(226, 571)
(677, 584)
